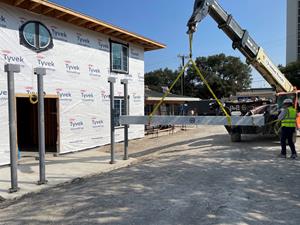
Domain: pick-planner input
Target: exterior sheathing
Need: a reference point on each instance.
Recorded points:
(77, 70)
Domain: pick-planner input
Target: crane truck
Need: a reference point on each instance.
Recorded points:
(255, 56)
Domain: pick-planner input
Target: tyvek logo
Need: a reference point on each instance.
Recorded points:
(76, 124)
(22, 20)
(48, 64)
(59, 34)
(72, 68)
(140, 77)
(94, 71)
(136, 98)
(29, 90)
(3, 95)
(63, 95)
(3, 21)
(10, 58)
(135, 54)
(105, 96)
(87, 96)
(96, 123)
(84, 41)
(103, 45)
(129, 76)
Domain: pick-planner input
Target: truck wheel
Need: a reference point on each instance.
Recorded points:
(236, 137)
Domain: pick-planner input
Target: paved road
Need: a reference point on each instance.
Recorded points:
(198, 179)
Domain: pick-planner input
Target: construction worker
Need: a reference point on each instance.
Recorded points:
(288, 127)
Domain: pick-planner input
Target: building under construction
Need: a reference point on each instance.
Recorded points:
(79, 54)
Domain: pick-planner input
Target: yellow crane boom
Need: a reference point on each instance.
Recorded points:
(255, 55)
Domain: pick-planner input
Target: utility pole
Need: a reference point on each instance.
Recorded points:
(182, 57)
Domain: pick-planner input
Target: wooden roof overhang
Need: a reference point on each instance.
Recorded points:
(49, 9)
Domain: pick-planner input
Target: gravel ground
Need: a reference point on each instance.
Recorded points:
(194, 177)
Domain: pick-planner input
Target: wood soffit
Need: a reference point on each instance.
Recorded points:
(49, 9)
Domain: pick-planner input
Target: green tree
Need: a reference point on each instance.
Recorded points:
(225, 74)
(157, 79)
(292, 73)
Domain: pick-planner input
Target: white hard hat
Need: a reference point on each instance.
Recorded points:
(288, 101)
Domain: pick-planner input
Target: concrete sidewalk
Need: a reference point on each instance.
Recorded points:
(61, 169)
(66, 168)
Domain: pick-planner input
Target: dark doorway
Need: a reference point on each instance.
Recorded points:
(27, 125)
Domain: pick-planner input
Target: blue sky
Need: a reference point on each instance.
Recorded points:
(165, 21)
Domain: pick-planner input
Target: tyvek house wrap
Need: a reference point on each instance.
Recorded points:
(77, 70)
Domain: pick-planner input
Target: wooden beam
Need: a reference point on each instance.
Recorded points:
(130, 38)
(72, 19)
(137, 42)
(92, 25)
(18, 2)
(82, 22)
(122, 36)
(46, 11)
(118, 34)
(110, 31)
(61, 14)
(33, 6)
(105, 30)
(100, 28)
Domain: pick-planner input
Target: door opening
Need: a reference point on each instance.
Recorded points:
(27, 124)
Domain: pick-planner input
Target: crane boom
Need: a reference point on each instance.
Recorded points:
(255, 55)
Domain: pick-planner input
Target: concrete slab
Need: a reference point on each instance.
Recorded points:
(193, 177)
(61, 169)
(66, 168)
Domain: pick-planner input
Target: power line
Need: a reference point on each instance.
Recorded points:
(182, 57)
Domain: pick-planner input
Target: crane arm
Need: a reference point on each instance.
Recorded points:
(242, 41)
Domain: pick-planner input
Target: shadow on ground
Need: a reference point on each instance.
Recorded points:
(199, 181)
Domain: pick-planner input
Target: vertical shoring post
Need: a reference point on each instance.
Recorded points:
(41, 72)
(112, 81)
(126, 126)
(11, 69)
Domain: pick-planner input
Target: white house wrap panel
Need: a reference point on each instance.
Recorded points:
(77, 70)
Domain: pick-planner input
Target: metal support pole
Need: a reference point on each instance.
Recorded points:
(125, 83)
(10, 69)
(41, 72)
(112, 81)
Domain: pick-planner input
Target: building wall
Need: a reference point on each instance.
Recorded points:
(77, 70)
(293, 38)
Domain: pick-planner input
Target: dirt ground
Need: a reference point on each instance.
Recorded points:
(192, 177)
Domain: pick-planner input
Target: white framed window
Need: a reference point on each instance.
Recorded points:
(119, 109)
(119, 57)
